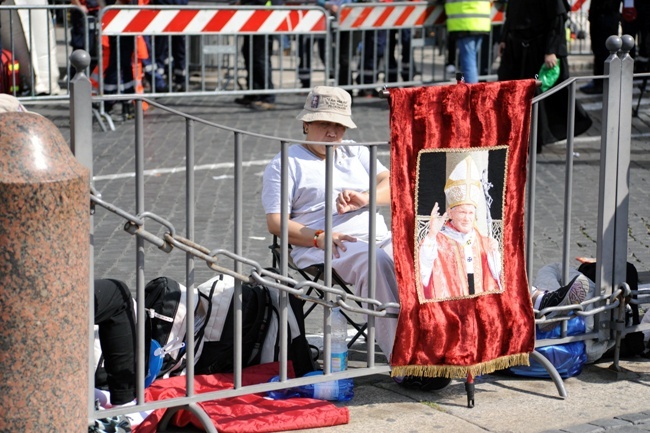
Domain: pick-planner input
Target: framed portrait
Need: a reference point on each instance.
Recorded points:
(459, 222)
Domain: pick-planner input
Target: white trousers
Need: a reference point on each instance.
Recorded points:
(352, 266)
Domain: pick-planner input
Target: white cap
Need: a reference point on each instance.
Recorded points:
(329, 104)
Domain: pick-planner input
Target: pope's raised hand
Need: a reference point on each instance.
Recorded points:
(436, 221)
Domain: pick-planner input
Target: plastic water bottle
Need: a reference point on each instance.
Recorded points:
(334, 390)
(339, 341)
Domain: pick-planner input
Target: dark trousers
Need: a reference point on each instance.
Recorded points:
(115, 317)
(601, 26)
(176, 55)
(257, 57)
(125, 55)
(305, 52)
(382, 44)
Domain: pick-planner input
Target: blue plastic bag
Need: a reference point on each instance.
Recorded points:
(568, 358)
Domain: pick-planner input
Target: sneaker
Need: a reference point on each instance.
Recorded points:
(114, 424)
(573, 293)
(422, 383)
(592, 88)
(262, 105)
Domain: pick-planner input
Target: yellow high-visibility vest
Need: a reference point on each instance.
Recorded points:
(469, 16)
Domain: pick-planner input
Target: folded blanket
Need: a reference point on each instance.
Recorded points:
(245, 414)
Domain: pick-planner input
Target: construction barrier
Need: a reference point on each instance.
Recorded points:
(363, 46)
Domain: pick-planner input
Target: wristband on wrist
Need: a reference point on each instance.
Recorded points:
(317, 233)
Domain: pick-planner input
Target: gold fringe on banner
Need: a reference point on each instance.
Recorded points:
(461, 372)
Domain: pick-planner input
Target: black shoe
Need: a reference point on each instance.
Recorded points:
(422, 383)
(128, 110)
(592, 89)
(244, 101)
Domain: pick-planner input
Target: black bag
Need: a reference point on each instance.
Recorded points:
(214, 326)
(216, 355)
(165, 304)
(259, 314)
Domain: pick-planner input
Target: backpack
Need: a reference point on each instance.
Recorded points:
(215, 348)
(165, 304)
(214, 326)
(260, 331)
(9, 73)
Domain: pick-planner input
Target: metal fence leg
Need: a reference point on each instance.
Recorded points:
(559, 384)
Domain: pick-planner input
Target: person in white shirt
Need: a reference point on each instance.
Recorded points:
(326, 117)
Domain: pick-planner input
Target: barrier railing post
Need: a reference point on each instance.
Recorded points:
(44, 278)
(614, 169)
(81, 144)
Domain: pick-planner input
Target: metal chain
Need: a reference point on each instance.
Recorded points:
(303, 288)
(259, 275)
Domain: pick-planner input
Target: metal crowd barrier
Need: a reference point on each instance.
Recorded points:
(382, 44)
(607, 307)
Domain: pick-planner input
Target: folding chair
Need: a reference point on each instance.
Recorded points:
(315, 273)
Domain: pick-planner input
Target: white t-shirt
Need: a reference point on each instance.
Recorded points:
(306, 179)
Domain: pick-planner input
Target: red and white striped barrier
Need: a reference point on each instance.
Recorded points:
(579, 5)
(370, 16)
(391, 15)
(120, 21)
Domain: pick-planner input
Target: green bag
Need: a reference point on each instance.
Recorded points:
(548, 76)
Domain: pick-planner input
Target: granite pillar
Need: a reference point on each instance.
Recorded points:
(44, 279)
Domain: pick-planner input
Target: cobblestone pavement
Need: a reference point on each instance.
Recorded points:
(530, 405)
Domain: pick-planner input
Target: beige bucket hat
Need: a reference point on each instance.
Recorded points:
(329, 104)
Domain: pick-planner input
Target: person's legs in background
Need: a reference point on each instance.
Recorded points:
(156, 82)
(115, 316)
(408, 69)
(305, 48)
(368, 62)
(468, 48)
(450, 64)
(120, 81)
(601, 26)
(256, 51)
(178, 59)
(389, 56)
(345, 51)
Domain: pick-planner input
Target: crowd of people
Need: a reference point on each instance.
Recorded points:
(534, 34)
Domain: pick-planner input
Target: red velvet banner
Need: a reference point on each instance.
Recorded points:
(459, 156)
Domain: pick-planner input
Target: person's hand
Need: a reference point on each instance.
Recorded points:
(550, 60)
(436, 221)
(629, 14)
(348, 201)
(338, 242)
